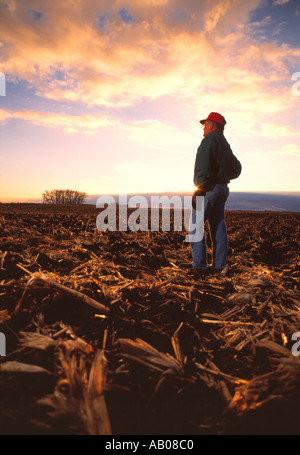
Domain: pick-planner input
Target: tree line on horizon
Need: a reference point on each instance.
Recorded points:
(63, 197)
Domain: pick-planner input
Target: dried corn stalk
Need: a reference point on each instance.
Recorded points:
(80, 395)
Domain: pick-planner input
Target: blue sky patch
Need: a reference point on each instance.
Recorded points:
(103, 20)
(277, 20)
(37, 15)
(126, 16)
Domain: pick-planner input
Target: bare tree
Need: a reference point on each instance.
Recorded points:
(64, 197)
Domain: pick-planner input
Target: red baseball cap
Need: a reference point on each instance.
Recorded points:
(215, 117)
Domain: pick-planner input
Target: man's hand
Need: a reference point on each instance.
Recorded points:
(196, 193)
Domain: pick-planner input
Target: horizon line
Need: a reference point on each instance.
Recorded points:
(183, 192)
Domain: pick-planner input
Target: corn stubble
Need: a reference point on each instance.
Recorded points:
(106, 334)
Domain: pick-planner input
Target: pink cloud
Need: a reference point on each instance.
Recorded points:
(185, 50)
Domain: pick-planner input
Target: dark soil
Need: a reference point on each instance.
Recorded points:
(227, 323)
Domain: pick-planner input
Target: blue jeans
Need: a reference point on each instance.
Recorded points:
(214, 207)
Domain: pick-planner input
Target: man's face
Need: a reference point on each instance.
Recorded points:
(207, 127)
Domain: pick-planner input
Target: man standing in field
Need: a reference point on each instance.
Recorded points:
(215, 166)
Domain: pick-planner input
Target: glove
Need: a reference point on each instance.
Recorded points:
(196, 193)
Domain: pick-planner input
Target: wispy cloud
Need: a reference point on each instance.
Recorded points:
(288, 150)
(140, 52)
(273, 130)
(146, 71)
(280, 2)
(150, 133)
(85, 123)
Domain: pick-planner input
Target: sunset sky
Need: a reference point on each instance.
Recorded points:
(104, 95)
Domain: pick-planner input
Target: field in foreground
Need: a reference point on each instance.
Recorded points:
(106, 334)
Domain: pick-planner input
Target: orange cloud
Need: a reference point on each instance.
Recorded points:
(185, 50)
(85, 123)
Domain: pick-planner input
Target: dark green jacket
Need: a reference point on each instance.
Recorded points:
(212, 161)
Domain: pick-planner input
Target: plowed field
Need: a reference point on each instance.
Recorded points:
(106, 333)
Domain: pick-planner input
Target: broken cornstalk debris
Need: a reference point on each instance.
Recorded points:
(107, 334)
